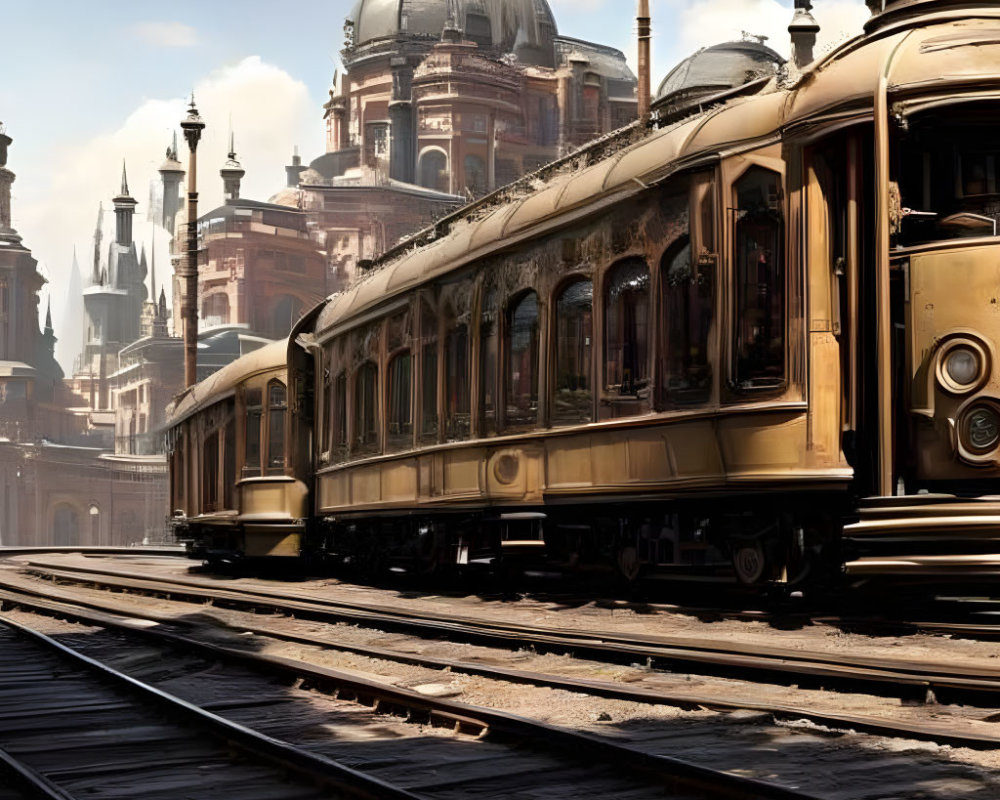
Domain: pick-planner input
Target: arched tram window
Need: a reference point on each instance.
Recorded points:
(573, 399)
(277, 406)
(365, 413)
(521, 384)
(400, 406)
(456, 379)
(759, 274)
(626, 328)
(687, 290)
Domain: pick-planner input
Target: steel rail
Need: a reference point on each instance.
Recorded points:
(313, 767)
(665, 771)
(912, 679)
(173, 551)
(938, 733)
(30, 781)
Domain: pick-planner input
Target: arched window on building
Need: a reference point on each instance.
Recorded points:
(432, 170)
(573, 399)
(365, 412)
(215, 310)
(759, 273)
(456, 378)
(475, 176)
(626, 328)
(284, 314)
(521, 384)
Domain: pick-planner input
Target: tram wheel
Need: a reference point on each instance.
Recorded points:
(749, 562)
(629, 565)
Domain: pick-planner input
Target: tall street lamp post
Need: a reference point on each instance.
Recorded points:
(192, 126)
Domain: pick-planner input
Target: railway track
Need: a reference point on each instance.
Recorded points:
(740, 738)
(483, 751)
(72, 727)
(913, 681)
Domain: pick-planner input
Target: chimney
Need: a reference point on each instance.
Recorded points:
(294, 170)
(644, 65)
(803, 31)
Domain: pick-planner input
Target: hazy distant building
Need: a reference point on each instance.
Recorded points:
(30, 377)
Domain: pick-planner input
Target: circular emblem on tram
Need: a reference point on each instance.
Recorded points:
(505, 468)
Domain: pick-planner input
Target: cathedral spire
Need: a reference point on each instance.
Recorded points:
(48, 318)
(152, 269)
(232, 172)
(124, 209)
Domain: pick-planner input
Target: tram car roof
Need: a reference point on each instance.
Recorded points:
(222, 384)
(939, 51)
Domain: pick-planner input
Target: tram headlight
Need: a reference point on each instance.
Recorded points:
(982, 429)
(962, 365)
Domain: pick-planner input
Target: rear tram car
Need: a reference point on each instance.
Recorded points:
(758, 339)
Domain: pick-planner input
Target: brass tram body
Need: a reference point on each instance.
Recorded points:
(760, 336)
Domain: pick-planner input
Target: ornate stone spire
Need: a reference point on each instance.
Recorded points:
(124, 209)
(232, 172)
(95, 274)
(6, 179)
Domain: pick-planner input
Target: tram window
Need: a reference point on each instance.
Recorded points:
(573, 399)
(400, 413)
(626, 328)
(947, 177)
(365, 397)
(429, 373)
(522, 363)
(339, 416)
(251, 450)
(277, 400)
(759, 270)
(229, 457)
(456, 380)
(210, 474)
(686, 374)
(488, 357)
(326, 433)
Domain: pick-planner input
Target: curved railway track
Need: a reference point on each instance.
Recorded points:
(478, 720)
(882, 676)
(514, 760)
(71, 726)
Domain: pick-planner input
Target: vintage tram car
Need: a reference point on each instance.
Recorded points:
(763, 335)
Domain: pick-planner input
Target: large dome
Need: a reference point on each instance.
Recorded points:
(524, 27)
(720, 67)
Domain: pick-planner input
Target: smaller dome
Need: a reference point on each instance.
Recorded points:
(720, 67)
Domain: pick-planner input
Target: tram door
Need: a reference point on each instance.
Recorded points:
(840, 312)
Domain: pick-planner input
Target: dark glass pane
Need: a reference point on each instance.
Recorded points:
(522, 363)
(365, 426)
(229, 459)
(686, 373)
(400, 416)
(276, 442)
(340, 417)
(429, 374)
(251, 465)
(456, 379)
(759, 348)
(210, 474)
(488, 356)
(573, 400)
(626, 328)
(276, 394)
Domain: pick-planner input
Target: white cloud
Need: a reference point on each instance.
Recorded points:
(167, 34)
(271, 113)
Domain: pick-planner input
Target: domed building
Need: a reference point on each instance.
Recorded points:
(716, 70)
(443, 101)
